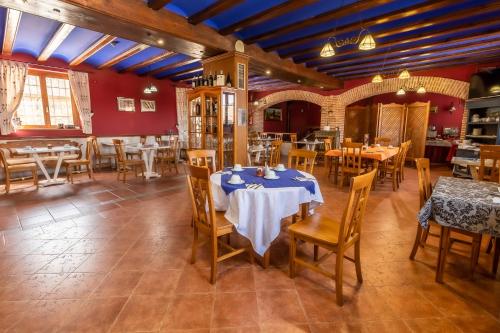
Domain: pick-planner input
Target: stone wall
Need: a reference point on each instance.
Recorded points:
(333, 106)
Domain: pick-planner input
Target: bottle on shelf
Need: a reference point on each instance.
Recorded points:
(193, 82)
(198, 81)
(198, 108)
(228, 81)
(210, 80)
(220, 79)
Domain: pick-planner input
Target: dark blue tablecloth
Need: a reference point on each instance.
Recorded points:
(249, 176)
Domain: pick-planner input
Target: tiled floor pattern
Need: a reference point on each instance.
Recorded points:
(110, 257)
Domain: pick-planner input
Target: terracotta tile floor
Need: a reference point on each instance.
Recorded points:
(105, 256)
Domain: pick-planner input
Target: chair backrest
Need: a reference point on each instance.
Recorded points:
(143, 139)
(405, 152)
(424, 179)
(492, 153)
(399, 158)
(202, 157)
(293, 140)
(120, 151)
(351, 155)
(302, 159)
(95, 145)
(172, 151)
(88, 148)
(383, 141)
(275, 157)
(354, 212)
(201, 197)
(328, 142)
(347, 140)
(158, 139)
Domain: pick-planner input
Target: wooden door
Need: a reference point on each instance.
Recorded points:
(391, 122)
(417, 120)
(357, 120)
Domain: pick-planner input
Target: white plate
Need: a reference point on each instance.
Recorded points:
(238, 183)
(272, 178)
(237, 170)
(280, 170)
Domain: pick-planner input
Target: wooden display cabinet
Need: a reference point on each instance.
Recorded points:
(211, 122)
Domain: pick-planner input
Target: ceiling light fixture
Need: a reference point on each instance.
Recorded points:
(268, 72)
(421, 89)
(364, 40)
(377, 79)
(161, 41)
(405, 74)
(401, 92)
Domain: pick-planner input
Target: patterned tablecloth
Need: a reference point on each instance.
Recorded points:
(374, 153)
(464, 204)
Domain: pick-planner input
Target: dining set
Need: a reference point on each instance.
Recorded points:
(256, 202)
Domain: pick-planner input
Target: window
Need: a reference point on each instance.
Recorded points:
(47, 101)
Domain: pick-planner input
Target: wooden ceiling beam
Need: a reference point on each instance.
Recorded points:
(329, 16)
(92, 49)
(214, 9)
(434, 59)
(12, 20)
(174, 65)
(59, 36)
(184, 72)
(467, 42)
(399, 43)
(380, 19)
(265, 15)
(157, 4)
(124, 55)
(162, 56)
(133, 20)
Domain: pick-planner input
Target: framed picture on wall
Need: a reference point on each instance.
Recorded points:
(126, 104)
(148, 105)
(272, 114)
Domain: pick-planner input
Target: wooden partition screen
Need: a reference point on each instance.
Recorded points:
(357, 120)
(391, 122)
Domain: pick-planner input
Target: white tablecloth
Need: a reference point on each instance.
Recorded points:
(257, 214)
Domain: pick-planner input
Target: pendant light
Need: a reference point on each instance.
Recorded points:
(327, 50)
(377, 79)
(401, 92)
(404, 74)
(421, 89)
(151, 88)
(367, 43)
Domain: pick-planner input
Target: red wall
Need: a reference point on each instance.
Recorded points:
(303, 115)
(443, 118)
(105, 86)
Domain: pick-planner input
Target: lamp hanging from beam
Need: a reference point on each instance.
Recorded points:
(364, 40)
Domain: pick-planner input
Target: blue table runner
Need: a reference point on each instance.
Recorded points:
(250, 177)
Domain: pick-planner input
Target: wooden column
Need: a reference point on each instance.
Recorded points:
(236, 64)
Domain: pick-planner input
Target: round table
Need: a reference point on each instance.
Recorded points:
(257, 213)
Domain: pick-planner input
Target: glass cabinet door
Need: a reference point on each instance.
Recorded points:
(228, 114)
(210, 122)
(195, 124)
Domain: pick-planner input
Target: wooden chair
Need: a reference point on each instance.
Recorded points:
(10, 168)
(132, 154)
(347, 140)
(167, 158)
(383, 141)
(70, 165)
(350, 164)
(293, 140)
(202, 157)
(326, 146)
(275, 156)
(302, 159)
(334, 236)
(124, 164)
(491, 153)
(208, 221)
(99, 156)
(394, 169)
(425, 192)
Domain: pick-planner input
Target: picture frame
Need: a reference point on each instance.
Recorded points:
(126, 104)
(273, 114)
(148, 105)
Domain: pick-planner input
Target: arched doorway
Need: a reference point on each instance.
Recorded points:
(294, 116)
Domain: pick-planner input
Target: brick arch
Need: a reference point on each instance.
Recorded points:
(439, 85)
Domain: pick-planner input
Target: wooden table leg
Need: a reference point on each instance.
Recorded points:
(375, 167)
(476, 248)
(304, 210)
(443, 249)
(496, 256)
(335, 161)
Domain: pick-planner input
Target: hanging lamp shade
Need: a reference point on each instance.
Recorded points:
(377, 79)
(367, 43)
(327, 51)
(401, 92)
(421, 90)
(404, 74)
(153, 88)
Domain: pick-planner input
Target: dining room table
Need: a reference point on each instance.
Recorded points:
(257, 207)
(310, 145)
(377, 154)
(36, 152)
(465, 204)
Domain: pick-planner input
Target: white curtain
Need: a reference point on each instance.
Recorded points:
(12, 78)
(79, 83)
(182, 114)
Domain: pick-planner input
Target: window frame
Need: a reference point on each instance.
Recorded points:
(42, 75)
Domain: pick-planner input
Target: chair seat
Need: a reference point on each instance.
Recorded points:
(352, 170)
(21, 167)
(77, 162)
(134, 162)
(318, 227)
(15, 161)
(223, 225)
(107, 155)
